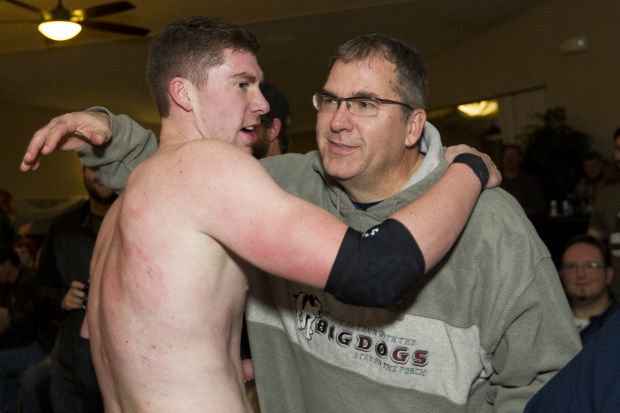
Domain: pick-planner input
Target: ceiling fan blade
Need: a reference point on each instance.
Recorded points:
(115, 27)
(24, 5)
(17, 21)
(102, 10)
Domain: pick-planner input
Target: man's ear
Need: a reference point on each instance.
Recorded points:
(415, 126)
(178, 89)
(609, 274)
(274, 131)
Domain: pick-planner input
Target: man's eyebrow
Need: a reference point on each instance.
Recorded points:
(245, 76)
(327, 92)
(362, 94)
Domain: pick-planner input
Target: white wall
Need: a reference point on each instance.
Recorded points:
(524, 53)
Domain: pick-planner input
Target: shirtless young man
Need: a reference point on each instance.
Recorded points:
(167, 279)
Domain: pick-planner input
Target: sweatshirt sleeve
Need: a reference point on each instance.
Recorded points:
(527, 328)
(130, 145)
(540, 337)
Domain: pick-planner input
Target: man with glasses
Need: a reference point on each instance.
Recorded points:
(168, 283)
(590, 382)
(489, 326)
(483, 332)
(586, 274)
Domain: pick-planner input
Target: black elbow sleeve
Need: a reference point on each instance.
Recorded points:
(377, 268)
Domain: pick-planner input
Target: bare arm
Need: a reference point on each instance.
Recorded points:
(90, 134)
(294, 239)
(437, 217)
(434, 229)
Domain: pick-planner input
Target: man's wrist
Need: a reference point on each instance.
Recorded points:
(476, 164)
(103, 113)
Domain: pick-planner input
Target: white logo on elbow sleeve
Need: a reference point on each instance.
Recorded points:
(370, 233)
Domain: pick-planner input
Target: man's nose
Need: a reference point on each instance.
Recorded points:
(581, 271)
(260, 104)
(341, 119)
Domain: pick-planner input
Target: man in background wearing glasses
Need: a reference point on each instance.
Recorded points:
(485, 330)
(586, 274)
(590, 382)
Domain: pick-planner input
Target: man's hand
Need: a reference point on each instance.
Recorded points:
(74, 298)
(495, 176)
(68, 132)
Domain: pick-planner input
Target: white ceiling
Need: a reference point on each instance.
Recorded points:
(297, 37)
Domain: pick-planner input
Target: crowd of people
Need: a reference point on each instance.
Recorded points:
(46, 304)
(595, 199)
(458, 308)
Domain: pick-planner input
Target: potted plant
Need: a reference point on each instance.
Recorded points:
(553, 153)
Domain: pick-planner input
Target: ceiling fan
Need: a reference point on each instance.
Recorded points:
(63, 24)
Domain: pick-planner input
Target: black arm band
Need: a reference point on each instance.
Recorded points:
(476, 164)
(377, 268)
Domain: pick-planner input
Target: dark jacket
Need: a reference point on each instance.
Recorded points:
(65, 257)
(597, 322)
(27, 319)
(590, 383)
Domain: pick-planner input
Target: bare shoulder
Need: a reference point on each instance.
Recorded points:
(193, 177)
(205, 159)
(210, 150)
(202, 159)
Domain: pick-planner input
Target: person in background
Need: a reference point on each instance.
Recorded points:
(272, 133)
(27, 249)
(586, 274)
(520, 184)
(62, 279)
(7, 216)
(613, 173)
(22, 339)
(605, 218)
(584, 193)
(35, 388)
(590, 382)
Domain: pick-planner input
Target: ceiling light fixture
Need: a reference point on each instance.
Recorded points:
(63, 24)
(58, 24)
(478, 109)
(59, 30)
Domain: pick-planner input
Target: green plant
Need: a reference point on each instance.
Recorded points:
(553, 152)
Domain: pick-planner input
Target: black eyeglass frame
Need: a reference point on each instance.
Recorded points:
(592, 266)
(340, 100)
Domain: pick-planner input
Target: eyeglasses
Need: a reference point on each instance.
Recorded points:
(328, 103)
(587, 266)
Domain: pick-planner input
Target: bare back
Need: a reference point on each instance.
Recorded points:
(166, 299)
(166, 303)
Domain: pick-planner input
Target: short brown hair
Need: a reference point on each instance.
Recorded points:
(590, 240)
(411, 74)
(187, 48)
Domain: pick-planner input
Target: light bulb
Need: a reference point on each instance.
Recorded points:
(59, 29)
